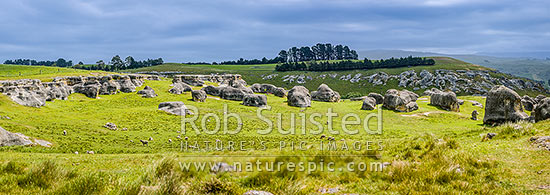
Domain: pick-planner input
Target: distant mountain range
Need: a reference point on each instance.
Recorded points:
(528, 67)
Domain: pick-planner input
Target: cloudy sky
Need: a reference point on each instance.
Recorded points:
(198, 30)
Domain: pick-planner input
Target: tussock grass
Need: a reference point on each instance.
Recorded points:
(518, 129)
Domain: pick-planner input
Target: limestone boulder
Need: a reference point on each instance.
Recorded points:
(147, 92)
(299, 96)
(17, 139)
(542, 110)
(279, 92)
(231, 93)
(503, 105)
(369, 103)
(446, 100)
(379, 98)
(402, 101)
(198, 95)
(528, 103)
(212, 90)
(176, 108)
(179, 88)
(255, 100)
(325, 94)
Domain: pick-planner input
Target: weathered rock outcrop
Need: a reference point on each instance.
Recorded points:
(198, 95)
(179, 87)
(147, 92)
(528, 103)
(473, 82)
(212, 90)
(255, 100)
(279, 92)
(263, 88)
(299, 96)
(241, 87)
(17, 139)
(231, 93)
(379, 98)
(34, 93)
(542, 110)
(539, 98)
(256, 87)
(325, 94)
(369, 103)
(446, 100)
(176, 108)
(402, 101)
(503, 105)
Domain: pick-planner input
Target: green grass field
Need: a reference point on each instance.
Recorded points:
(430, 150)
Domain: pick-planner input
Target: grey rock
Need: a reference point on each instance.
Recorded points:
(231, 93)
(379, 98)
(325, 94)
(256, 87)
(528, 103)
(255, 100)
(369, 103)
(542, 142)
(126, 84)
(198, 95)
(179, 88)
(90, 90)
(445, 100)
(280, 92)
(17, 139)
(542, 110)
(402, 101)
(212, 90)
(503, 105)
(147, 92)
(539, 98)
(299, 96)
(176, 108)
(110, 126)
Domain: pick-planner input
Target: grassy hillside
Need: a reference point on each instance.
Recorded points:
(254, 73)
(426, 148)
(430, 150)
(44, 73)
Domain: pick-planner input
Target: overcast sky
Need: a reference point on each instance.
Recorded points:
(214, 30)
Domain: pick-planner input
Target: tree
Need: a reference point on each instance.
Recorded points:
(61, 62)
(129, 61)
(283, 55)
(339, 52)
(80, 63)
(117, 63)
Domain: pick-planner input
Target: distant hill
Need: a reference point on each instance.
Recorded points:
(532, 68)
